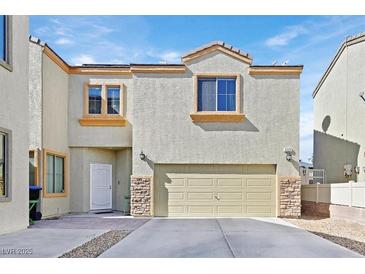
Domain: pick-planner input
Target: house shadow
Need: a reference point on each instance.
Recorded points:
(332, 153)
(246, 125)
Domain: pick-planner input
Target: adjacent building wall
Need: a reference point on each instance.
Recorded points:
(14, 117)
(166, 134)
(339, 135)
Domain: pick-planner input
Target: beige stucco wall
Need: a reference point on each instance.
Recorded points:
(122, 181)
(14, 116)
(338, 98)
(55, 126)
(81, 158)
(166, 134)
(81, 136)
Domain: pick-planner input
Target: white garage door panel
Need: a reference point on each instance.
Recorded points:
(205, 191)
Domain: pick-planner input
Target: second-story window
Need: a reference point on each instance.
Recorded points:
(95, 101)
(113, 94)
(217, 94)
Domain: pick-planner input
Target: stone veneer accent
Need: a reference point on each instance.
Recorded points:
(141, 196)
(290, 199)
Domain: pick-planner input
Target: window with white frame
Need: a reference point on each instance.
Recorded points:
(113, 94)
(216, 94)
(55, 174)
(95, 101)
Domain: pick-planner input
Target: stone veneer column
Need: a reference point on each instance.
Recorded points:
(141, 196)
(290, 199)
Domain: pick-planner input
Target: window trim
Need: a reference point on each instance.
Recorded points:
(8, 63)
(47, 152)
(103, 119)
(8, 166)
(217, 116)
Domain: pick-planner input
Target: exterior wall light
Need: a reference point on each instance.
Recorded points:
(142, 156)
(289, 153)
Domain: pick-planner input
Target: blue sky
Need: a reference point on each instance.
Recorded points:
(308, 40)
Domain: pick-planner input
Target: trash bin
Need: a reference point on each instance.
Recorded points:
(34, 193)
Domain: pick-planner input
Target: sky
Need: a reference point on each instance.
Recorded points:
(311, 41)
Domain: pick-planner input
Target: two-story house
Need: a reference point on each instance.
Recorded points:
(339, 111)
(212, 136)
(13, 123)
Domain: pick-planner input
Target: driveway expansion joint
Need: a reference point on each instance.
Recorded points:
(226, 240)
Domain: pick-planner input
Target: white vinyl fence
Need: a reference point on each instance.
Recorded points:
(349, 194)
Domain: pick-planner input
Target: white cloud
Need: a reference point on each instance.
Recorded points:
(285, 37)
(169, 56)
(63, 41)
(83, 59)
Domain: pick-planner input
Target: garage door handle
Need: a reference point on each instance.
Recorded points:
(217, 197)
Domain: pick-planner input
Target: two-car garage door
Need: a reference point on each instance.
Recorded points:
(215, 190)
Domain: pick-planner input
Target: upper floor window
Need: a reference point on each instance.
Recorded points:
(103, 104)
(217, 94)
(113, 94)
(5, 41)
(95, 102)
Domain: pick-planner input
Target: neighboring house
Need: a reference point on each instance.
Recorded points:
(339, 111)
(13, 123)
(202, 138)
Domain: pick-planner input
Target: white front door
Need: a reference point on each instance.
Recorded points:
(100, 186)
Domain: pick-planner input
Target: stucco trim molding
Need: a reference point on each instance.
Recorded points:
(276, 70)
(157, 69)
(229, 117)
(103, 121)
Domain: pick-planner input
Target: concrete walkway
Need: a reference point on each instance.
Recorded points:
(224, 238)
(52, 238)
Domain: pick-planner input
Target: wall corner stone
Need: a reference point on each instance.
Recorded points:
(141, 196)
(290, 197)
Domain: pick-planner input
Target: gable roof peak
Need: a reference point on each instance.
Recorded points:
(217, 45)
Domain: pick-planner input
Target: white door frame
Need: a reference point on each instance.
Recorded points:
(110, 183)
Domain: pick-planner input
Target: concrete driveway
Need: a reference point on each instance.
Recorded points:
(52, 238)
(224, 238)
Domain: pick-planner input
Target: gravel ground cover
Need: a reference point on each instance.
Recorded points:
(96, 246)
(348, 234)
